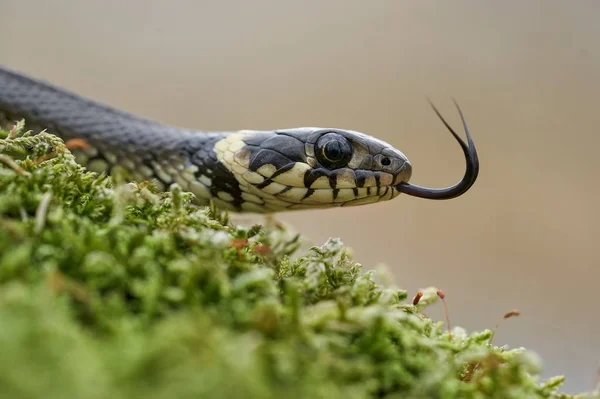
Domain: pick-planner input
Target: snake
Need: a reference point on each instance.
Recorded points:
(246, 171)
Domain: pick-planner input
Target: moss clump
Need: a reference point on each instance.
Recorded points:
(115, 290)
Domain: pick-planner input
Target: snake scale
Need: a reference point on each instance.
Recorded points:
(241, 171)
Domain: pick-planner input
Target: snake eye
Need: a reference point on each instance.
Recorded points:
(333, 151)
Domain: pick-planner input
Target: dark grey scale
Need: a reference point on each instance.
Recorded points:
(200, 157)
(377, 182)
(224, 180)
(290, 146)
(302, 133)
(274, 148)
(257, 138)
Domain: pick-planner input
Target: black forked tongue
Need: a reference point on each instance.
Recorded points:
(470, 174)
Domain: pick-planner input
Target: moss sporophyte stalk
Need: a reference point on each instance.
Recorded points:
(113, 289)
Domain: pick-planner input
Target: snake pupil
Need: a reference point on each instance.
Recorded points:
(386, 162)
(333, 151)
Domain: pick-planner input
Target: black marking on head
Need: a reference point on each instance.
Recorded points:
(313, 174)
(335, 192)
(377, 182)
(266, 157)
(283, 169)
(332, 180)
(361, 177)
(355, 191)
(368, 190)
(309, 192)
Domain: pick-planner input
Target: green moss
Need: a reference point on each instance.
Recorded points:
(115, 290)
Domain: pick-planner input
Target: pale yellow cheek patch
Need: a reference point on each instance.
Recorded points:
(228, 157)
(253, 177)
(236, 146)
(293, 177)
(221, 145)
(267, 170)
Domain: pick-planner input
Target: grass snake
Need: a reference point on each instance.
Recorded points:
(241, 171)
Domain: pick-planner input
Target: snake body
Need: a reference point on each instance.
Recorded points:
(241, 171)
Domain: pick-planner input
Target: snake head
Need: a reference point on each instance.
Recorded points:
(307, 168)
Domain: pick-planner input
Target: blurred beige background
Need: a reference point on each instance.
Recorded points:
(526, 73)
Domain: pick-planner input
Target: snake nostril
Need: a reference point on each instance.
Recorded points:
(386, 161)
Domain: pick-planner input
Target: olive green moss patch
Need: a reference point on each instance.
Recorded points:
(112, 290)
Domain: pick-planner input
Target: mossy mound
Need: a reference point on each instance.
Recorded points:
(115, 290)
